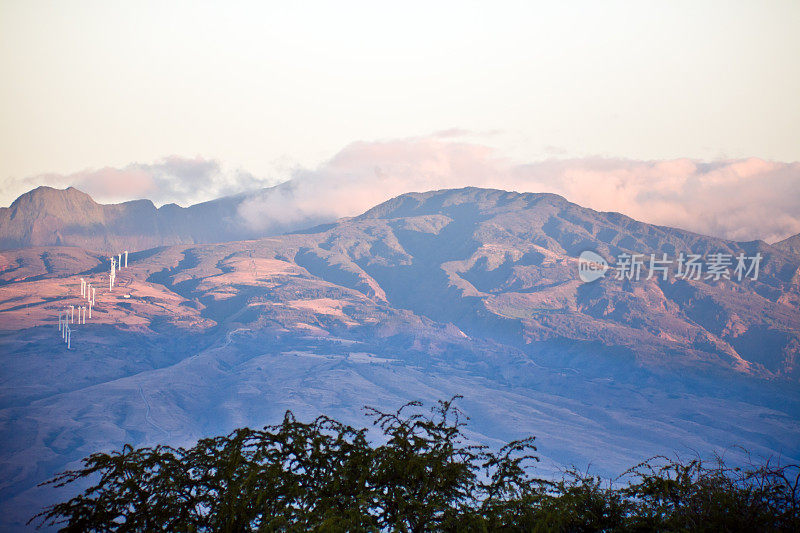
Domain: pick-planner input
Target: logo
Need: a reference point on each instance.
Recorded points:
(591, 266)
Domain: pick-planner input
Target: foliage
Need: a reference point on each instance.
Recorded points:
(426, 476)
(698, 496)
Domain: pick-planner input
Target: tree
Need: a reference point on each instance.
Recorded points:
(295, 476)
(426, 476)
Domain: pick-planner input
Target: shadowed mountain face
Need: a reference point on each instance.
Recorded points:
(790, 245)
(468, 291)
(53, 217)
(503, 266)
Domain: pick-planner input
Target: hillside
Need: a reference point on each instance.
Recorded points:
(468, 291)
(790, 245)
(69, 217)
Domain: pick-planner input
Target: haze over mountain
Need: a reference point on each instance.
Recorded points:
(469, 291)
(53, 217)
(738, 199)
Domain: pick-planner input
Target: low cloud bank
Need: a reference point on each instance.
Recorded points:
(173, 179)
(742, 199)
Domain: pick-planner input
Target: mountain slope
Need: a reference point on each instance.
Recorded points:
(69, 217)
(468, 291)
(503, 265)
(790, 245)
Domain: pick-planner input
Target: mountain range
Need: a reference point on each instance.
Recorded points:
(470, 291)
(54, 217)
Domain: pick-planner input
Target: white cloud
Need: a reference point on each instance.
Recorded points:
(172, 179)
(742, 199)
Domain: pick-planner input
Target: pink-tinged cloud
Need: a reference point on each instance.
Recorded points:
(742, 199)
(172, 179)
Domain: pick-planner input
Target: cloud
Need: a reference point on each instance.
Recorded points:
(173, 179)
(367, 173)
(742, 199)
(735, 199)
(451, 133)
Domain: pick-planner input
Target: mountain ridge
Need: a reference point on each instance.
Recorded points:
(494, 255)
(47, 216)
(790, 244)
(460, 291)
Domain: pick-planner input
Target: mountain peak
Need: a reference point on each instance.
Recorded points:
(479, 200)
(67, 203)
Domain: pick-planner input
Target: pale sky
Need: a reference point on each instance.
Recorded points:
(271, 87)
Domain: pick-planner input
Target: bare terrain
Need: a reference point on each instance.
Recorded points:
(469, 291)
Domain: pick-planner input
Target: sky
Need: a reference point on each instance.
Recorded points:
(182, 102)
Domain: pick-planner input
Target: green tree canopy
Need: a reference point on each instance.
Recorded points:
(424, 476)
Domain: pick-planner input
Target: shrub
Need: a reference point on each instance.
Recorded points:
(327, 476)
